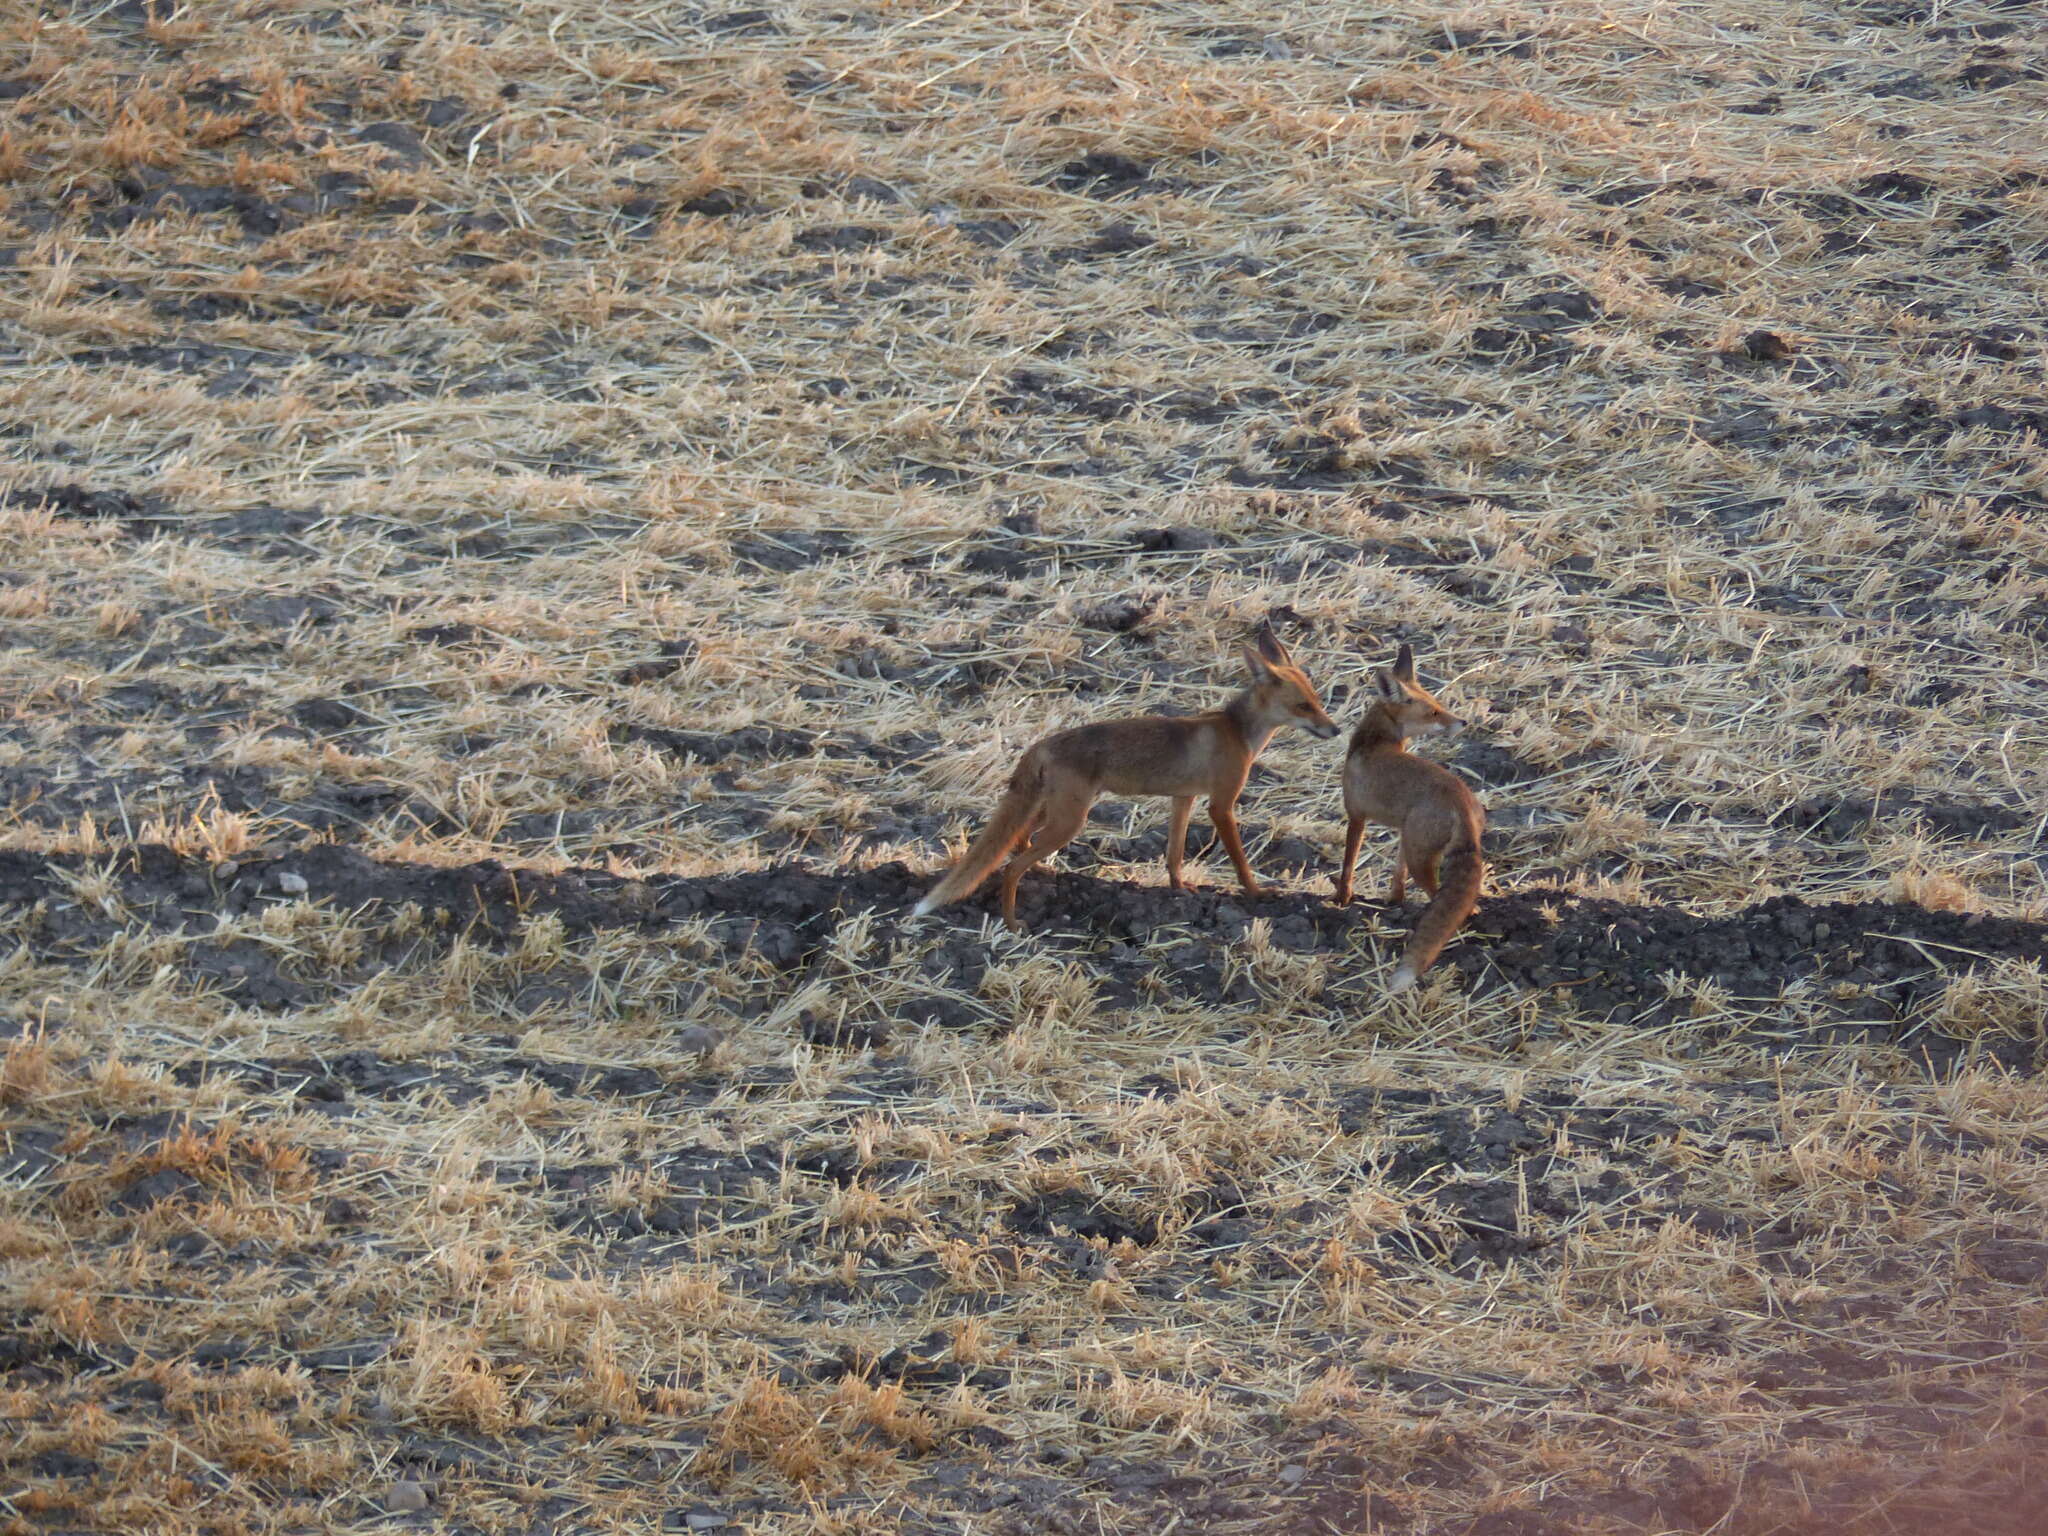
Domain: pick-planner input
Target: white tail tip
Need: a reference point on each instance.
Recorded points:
(923, 908)
(1403, 980)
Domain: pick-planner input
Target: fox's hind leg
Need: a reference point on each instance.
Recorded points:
(1177, 840)
(1063, 817)
(1421, 860)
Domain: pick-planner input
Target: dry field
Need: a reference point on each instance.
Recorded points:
(529, 531)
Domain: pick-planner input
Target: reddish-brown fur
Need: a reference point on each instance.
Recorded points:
(1439, 819)
(1060, 777)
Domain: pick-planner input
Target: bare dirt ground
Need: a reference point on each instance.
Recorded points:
(530, 532)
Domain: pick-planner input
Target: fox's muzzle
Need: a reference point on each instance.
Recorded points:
(1323, 728)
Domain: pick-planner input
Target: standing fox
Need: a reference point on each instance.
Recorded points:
(1437, 816)
(1060, 777)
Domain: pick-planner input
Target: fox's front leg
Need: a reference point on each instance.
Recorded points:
(1177, 840)
(1353, 833)
(1223, 813)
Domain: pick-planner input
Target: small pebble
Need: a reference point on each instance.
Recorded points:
(1293, 1473)
(701, 1038)
(292, 884)
(406, 1497)
(1766, 347)
(227, 869)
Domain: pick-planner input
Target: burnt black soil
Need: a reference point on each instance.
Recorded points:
(1880, 965)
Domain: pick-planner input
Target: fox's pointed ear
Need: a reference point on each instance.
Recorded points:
(1388, 686)
(1270, 647)
(1257, 665)
(1404, 664)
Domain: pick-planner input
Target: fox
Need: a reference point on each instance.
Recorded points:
(1061, 776)
(1440, 820)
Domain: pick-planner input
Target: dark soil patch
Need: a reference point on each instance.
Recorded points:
(1946, 818)
(140, 516)
(1080, 1215)
(1886, 958)
(1493, 767)
(757, 742)
(1102, 175)
(788, 550)
(705, 1189)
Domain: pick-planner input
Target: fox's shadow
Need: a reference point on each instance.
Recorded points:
(1137, 942)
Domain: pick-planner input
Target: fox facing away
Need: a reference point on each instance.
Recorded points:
(1060, 777)
(1437, 816)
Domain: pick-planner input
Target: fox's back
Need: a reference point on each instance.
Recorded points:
(1142, 755)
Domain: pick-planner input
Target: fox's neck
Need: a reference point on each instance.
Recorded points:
(1379, 732)
(1243, 714)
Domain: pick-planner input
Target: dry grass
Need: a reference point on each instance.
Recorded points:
(438, 430)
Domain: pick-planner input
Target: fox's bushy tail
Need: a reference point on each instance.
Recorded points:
(1457, 893)
(1015, 815)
